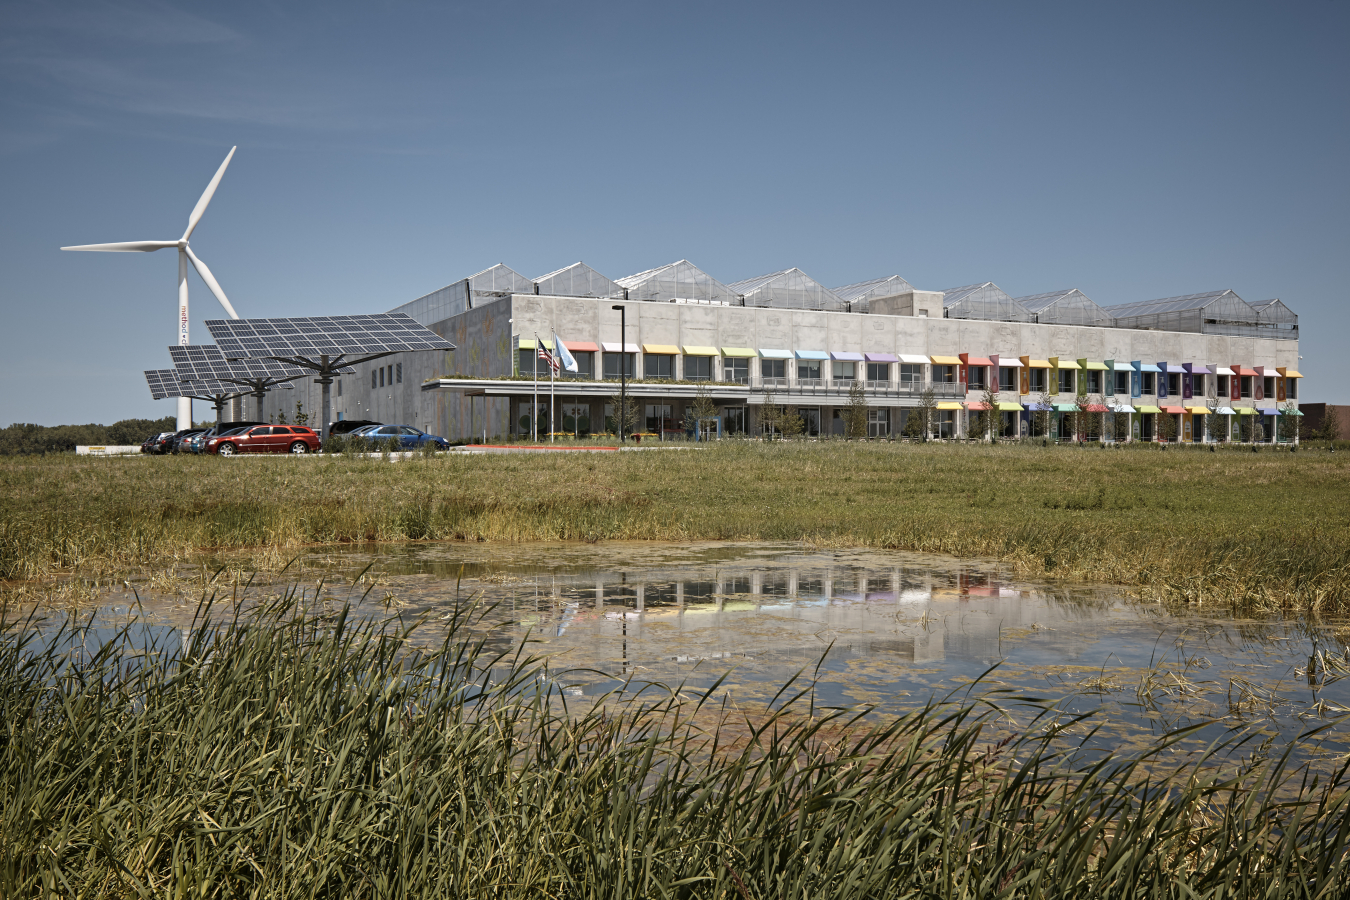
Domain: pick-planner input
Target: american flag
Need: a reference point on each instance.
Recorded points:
(548, 357)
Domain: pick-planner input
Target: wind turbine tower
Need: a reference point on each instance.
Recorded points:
(185, 255)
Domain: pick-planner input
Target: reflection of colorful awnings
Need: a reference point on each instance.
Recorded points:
(948, 404)
(1006, 406)
(738, 352)
(662, 349)
(1145, 408)
(1198, 410)
(812, 354)
(1174, 410)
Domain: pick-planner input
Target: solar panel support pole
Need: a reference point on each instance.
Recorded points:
(325, 380)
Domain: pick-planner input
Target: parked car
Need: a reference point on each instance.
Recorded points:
(197, 443)
(181, 438)
(148, 446)
(347, 426)
(166, 441)
(265, 439)
(408, 438)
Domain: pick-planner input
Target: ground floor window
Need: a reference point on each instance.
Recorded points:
(946, 423)
(810, 420)
(576, 419)
(734, 419)
(659, 418)
(1008, 422)
(523, 420)
(878, 422)
(1146, 426)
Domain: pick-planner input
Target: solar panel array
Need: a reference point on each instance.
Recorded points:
(203, 362)
(323, 336)
(166, 383)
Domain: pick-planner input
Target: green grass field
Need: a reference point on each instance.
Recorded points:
(1264, 530)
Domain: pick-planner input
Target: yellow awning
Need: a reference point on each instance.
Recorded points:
(946, 404)
(1005, 406)
(1039, 364)
(739, 352)
(529, 344)
(946, 361)
(660, 348)
(1064, 364)
(700, 351)
(1144, 408)
(1198, 410)
(1292, 373)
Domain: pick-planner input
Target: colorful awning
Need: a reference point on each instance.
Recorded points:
(1066, 407)
(1145, 408)
(1122, 408)
(1009, 363)
(1066, 364)
(913, 359)
(845, 356)
(738, 352)
(946, 360)
(812, 354)
(1289, 373)
(529, 344)
(1173, 368)
(1174, 410)
(881, 357)
(979, 361)
(1097, 407)
(1242, 371)
(699, 351)
(1198, 410)
(775, 354)
(1293, 412)
(977, 406)
(948, 404)
(662, 349)
(1038, 364)
(616, 347)
(1197, 369)
(1148, 367)
(1268, 410)
(1040, 407)
(1007, 406)
(583, 346)
(1222, 370)
(1094, 366)
(1226, 411)
(1244, 411)
(1124, 367)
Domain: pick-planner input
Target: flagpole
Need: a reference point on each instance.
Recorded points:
(534, 412)
(552, 397)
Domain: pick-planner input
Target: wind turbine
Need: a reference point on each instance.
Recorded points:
(185, 255)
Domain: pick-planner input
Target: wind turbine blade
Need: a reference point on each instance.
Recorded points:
(127, 247)
(207, 195)
(211, 282)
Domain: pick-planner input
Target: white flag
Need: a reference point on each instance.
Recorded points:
(569, 362)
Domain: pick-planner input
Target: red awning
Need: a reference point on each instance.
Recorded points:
(1175, 410)
(1097, 407)
(578, 346)
(980, 361)
(977, 406)
(1241, 371)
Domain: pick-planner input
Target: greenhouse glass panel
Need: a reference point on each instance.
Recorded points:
(678, 281)
(983, 301)
(578, 280)
(1071, 307)
(788, 289)
(859, 296)
(1280, 317)
(1214, 312)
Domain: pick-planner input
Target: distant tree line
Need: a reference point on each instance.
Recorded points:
(22, 439)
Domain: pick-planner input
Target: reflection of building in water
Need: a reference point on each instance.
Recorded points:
(916, 615)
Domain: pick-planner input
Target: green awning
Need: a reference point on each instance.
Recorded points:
(1005, 406)
(739, 352)
(1066, 407)
(1147, 409)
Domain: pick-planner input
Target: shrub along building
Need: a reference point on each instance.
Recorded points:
(1202, 367)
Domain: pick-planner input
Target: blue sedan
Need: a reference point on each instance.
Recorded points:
(408, 438)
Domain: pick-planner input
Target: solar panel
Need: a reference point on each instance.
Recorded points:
(316, 336)
(199, 362)
(166, 383)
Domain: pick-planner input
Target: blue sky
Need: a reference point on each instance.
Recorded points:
(1131, 150)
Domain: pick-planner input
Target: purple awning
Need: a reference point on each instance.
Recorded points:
(1197, 369)
(847, 357)
(881, 357)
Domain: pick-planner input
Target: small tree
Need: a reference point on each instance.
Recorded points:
(1040, 417)
(1166, 427)
(1215, 422)
(790, 422)
(1330, 427)
(926, 412)
(855, 415)
(628, 411)
(698, 413)
(301, 417)
(1288, 424)
(770, 417)
(990, 414)
(1120, 426)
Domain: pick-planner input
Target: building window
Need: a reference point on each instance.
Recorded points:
(944, 374)
(976, 378)
(1066, 381)
(1197, 385)
(613, 361)
(810, 420)
(773, 368)
(1007, 378)
(658, 365)
(1122, 382)
(585, 366)
(946, 423)
(879, 371)
(339, 387)
(1291, 388)
(1246, 387)
(398, 372)
(911, 375)
(845, 371)
(1008, 424)
(1269, 385)
(733, 418)
(736, 369)
(808, 370)
(1094, 382)
(659, 418)
(878, 422)
(1036, 383)
(1222, 382)
(381, 376)
(698, 368)
(1173, 384)
(1148, 382)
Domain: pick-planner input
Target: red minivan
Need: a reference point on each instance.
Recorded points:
(266, 439)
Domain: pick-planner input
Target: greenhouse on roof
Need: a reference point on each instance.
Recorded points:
(983, 301)
(578, 280)
(788, 289)
(1281, 317)
(678, 281)
(1071, 307)
(1213, 312)
(859, 296)
(487, 286)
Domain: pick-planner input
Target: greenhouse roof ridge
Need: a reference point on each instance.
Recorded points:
(1038, 302)
(1172, 304)
(895, 284)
